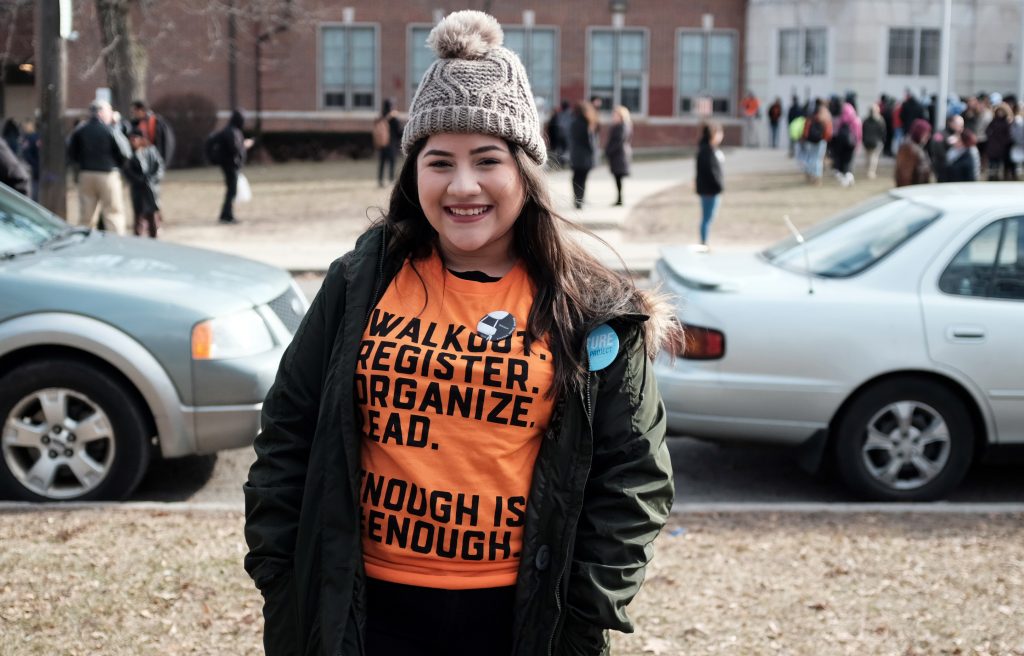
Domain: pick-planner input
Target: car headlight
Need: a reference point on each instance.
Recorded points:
(234, 336)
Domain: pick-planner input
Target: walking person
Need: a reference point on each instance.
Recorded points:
(31, 156)
(997, 148)
(619, 150)
(709, 182)
(582, 148)
(817, 134)
(844, 144)
(11, 134)
(750, 107)
(387, 135)
(155, 130)
(12, 172)
(558, 133)
(1017, 142)
(963, 163)
(796, 110)
(942, 142)
(98, 151)
(409, 497)
(873, 131)
(145, 171)
(228, 149)
(912, 163)
(774, 116)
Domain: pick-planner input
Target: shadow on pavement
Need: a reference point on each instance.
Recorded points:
(178, 479)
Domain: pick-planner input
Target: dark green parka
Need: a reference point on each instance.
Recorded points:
(601, 488)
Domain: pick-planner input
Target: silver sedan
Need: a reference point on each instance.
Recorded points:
(887, 342)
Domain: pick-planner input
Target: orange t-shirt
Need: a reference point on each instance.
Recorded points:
(451, 426)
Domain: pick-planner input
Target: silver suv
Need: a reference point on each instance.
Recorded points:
(114, 350)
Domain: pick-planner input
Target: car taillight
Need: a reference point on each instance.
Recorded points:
(703, 343)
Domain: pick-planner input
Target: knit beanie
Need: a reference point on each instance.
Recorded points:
(475, 86)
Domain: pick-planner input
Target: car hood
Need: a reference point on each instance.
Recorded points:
(723, 272)
(205, 280)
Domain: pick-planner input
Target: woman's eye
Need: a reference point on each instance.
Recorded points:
(489, 162)
(439, 164)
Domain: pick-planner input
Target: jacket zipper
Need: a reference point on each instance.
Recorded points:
(565, 559)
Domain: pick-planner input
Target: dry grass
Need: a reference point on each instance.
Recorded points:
(751, 209)
(135, 582)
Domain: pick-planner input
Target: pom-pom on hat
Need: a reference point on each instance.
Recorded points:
(475, 86)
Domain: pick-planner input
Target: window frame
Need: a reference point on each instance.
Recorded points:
(677, 94)
(556, 79)
(645, 32)
(321, 88)
(411, 80)
(916, 51)
(805, 67)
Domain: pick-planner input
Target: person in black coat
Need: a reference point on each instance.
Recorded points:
(12, 172)
(232, 148)
(582, 148)
(709, 181)
(618, 150)
(963, 163)
(387, 139)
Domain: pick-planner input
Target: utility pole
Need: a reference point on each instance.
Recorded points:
(51, 64)
(940, 101)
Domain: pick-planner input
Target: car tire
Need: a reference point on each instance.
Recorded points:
(907, 439)
(70, 432)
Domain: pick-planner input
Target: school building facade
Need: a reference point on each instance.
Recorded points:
(671, 62)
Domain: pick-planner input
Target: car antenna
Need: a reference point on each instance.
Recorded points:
(803, 246)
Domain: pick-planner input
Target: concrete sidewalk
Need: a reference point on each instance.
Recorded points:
(311, 251)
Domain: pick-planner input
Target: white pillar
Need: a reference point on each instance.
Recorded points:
(1020, 56)
(940, 101)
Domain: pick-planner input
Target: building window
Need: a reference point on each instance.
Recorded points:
(349, 67)
(803, 51)
(420, 57)
(913, 51)
(617, 63)
(537, 48)
(705, 68)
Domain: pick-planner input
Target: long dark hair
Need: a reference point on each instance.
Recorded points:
(575, 292)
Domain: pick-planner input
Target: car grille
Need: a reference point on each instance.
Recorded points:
(289, 308)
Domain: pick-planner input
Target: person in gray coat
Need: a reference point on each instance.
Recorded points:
(582, 148)
(144, 171)
(618, 150)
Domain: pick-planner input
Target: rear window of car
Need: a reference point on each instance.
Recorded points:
(853, 241)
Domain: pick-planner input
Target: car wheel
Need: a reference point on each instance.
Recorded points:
(904, 440)
(70, 432)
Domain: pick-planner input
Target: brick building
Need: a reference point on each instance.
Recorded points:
(333, 64)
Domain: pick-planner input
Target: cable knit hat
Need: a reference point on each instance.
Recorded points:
(476, 86)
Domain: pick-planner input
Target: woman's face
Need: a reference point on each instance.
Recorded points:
(716, 137)
(472, 193)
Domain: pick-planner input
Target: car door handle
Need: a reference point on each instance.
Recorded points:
(965, 333)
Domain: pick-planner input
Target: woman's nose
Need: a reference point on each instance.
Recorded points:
(464, 182)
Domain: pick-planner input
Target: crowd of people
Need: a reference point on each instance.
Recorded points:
(983, 137)
(107, 152)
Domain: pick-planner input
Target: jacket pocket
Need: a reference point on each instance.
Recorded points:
(281, 635)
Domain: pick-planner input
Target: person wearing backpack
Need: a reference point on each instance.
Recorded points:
(387, 135)
(227, 149)
(817, 133)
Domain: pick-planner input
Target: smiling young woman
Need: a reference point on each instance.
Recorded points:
(463, 452)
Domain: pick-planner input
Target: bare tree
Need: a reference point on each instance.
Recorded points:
(124, 59)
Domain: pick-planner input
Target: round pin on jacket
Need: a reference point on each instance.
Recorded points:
(496, 326)
(602, 347)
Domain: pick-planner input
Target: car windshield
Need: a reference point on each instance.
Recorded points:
(854, 240)
(25, 226)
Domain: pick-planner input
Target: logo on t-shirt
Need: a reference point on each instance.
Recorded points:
(496, 325)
